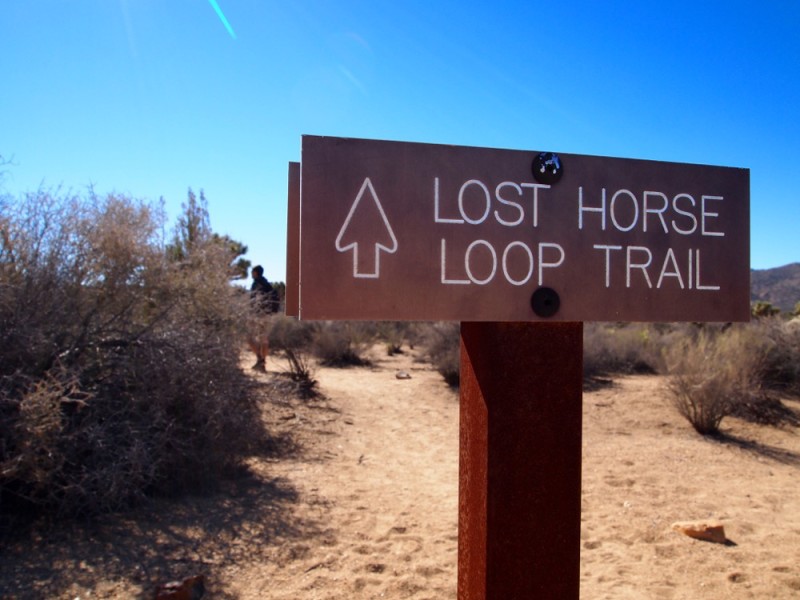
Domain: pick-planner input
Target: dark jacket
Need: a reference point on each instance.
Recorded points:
(264, 295)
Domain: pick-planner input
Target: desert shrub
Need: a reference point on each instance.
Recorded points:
(343, 343)
(289, 332)
(442, 342)
(610, 349)
(294, 338)
(762, 309)
(714, 374)
(118, 365)
(394, 334)
(781, 369)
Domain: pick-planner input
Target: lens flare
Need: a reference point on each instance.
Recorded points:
(222, 18)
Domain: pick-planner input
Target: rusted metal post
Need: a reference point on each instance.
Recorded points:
(520, 461)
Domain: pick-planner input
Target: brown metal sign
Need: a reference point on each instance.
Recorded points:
(408, 231)
(292, 301)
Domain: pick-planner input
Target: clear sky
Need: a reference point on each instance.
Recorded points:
(151, 97)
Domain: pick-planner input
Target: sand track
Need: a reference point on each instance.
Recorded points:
(359, 500)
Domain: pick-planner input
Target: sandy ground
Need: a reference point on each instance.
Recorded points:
(360, 496)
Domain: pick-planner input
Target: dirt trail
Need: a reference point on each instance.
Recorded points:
(359, 501)
(382, 475)
(388, 493)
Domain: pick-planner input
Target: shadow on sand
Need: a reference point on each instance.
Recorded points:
(166, 540)
(780, 455)
(248, 517)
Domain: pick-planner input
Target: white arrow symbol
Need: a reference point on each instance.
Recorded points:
(368, 228)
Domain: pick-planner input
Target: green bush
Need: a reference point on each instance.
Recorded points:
(762, 309)
(119, 370)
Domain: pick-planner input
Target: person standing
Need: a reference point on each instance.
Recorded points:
(265, 303)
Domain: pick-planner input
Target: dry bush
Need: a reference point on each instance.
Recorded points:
(396, 334)
(294, 338)
(343, 343)
(714, 374)
(442, 342)
(782, 360)
(118, 366)
(610, 349)
(779, 374)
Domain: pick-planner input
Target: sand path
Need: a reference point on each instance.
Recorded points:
(383, 477)
(359, 501)
(389, 489)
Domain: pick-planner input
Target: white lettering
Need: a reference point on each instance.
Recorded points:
(517, 262)
(698, 285)
(446, 281)
(675, 272)
(608, 250)
(630, 213)
(521, 212)
(470, 248)
(684, 213)
(486, 199)
(536, 187)
(642, 266)
(657, 211)
(549, 265)
(614, 220)
(601, 209)
(436, 217)
(529, 255)
(704, 213)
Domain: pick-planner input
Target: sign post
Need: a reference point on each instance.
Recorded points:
(521, 248)
(519, 507)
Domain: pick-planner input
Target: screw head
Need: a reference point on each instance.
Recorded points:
(547, 168)
(545, 302)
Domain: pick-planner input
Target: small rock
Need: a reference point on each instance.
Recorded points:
(191, 588)
(402, 375)
(708, 531)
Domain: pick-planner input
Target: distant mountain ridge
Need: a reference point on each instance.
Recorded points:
(779, 286)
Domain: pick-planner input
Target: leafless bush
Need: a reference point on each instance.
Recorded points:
(118, 366)
(294, 338)
(714, 374)
(782, 360)
(343, 343)
(442, 343)
(630, 348)
(395, 334)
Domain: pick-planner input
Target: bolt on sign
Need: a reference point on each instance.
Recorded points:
(410, 231)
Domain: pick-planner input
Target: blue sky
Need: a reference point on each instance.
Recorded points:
(151, 97)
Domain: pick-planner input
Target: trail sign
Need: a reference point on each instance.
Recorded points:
(409, 231)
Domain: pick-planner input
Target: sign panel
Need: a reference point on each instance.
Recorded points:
(409, 231)
(292, 300)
